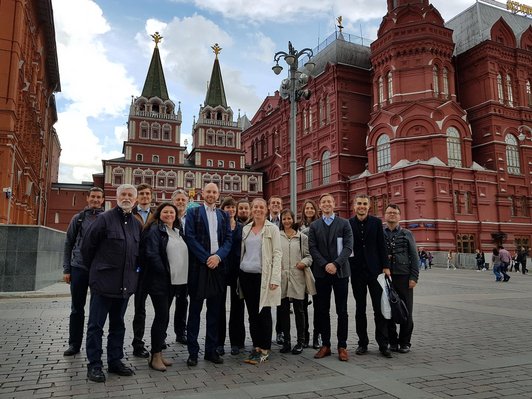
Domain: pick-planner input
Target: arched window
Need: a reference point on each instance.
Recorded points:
(118, 176)
(206, 179)
(216, 179)
(308, 174)
(210, 137)
(435, 80)
(322, 112)
(384, 159)
(138, 157)
(381, 90)
(220, 138)
(171, 160)
(390, 86)
(161, 179)
(454, 149)
(445, 82)
(155, 131)
(326, 167)
(528, 90)
(144, 130)
(512, 155)
(171, 180)
(166, 132)
(230, 140)
(189, 180)
(137, 177)
(500, 90)
(509, 91)
(253, 184)
(155, 158)
(227, 183)
(237, 183)
(148, 177)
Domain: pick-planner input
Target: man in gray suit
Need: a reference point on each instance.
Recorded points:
(330, 244)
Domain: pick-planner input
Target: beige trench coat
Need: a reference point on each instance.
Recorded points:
(271, 263)
(295, 250)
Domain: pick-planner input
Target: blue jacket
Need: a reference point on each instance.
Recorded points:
(74, 236)
(110, 250)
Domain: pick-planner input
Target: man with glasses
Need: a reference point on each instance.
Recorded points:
(403, 257)
(368, 261)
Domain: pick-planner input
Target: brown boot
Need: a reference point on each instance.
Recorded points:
(166, 362)
(156, 362)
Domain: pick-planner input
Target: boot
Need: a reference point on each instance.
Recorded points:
(166, 362)
(156, 362)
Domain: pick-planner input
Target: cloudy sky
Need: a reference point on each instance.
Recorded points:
(104, 49)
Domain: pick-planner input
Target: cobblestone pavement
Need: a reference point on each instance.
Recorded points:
(471, 340)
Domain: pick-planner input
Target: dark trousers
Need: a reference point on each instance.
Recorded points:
(100, 307)
(361, 281)
(160, 321)
(324, 287)
(284, 319)
(180, 293)
(237, 330)
(400, 283)
(79, 284)
(193, 325)
(139, 320)
(315, 329)
(260, 324)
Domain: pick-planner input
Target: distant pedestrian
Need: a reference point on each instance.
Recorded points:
(480, 259)
(505, 262)
(451, 260)
(496, 262)
(522, 255)
(110, 250)
(75, 272)
(423, 259)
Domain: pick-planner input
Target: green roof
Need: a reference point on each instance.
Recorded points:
(155, 85)
(215, 92)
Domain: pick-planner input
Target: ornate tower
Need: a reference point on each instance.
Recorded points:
(217, 141)
(415, 113)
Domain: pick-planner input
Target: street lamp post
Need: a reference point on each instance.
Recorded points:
(291, 89)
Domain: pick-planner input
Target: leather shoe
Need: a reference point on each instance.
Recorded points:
(71, 351)
(361, 350)
(182, 339)
(120, 369)
(286, 348)
(386, 352)
(324, 351)
(404, 349)
(343, 355)
(141, 352)
(192, 361)
(394, 348)
(95, 374)
(214, 358)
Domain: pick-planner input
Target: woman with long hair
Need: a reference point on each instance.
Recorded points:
(296, 259)
(260, 277)
(164, 257)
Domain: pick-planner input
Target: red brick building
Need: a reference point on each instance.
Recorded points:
(435, 117)
(153, 152)
(29, 145)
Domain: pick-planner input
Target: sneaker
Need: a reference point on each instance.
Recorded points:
(297, 349)
(263, 356)
(286, 348)
(254, 357)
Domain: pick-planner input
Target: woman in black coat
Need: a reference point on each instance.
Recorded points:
(164, 257)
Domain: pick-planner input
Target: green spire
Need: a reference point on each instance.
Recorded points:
(155, 85)
(215, 92)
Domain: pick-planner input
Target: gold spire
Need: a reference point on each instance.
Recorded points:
(217, 49)
(156, 38)
(339, 20)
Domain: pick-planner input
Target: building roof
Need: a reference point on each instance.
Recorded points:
(155, 85)
(473, 26)
(341, 48)
(216, 92)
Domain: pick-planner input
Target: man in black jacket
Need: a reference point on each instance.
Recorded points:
(110, 251)
(368, 261)
(404, 264)
(75, 272)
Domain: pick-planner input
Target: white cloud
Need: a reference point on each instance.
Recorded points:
(93, 86)
(262, 47)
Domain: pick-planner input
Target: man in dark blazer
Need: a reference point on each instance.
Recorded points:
(208, 236)
(330, 244)
(368, 261)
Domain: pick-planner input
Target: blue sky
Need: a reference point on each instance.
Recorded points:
(104, 50)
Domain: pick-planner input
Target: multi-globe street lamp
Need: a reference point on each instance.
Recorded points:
(291, 88)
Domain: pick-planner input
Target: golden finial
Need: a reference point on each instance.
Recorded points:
(217, 49)
(156, 38)
(339, 20)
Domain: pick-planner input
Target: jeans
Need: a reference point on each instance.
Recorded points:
(100, 307)
(324, 287)
(79, 285)
(361, 282)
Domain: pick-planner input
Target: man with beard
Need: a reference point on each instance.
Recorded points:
(110, 250)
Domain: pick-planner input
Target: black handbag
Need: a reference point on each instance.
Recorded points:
(399, 309)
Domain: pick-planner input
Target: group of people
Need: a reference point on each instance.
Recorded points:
(257, 251)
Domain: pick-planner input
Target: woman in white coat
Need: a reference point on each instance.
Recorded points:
(260, 277)
(295, 264)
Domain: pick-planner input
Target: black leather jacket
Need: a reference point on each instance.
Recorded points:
(402, 252)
